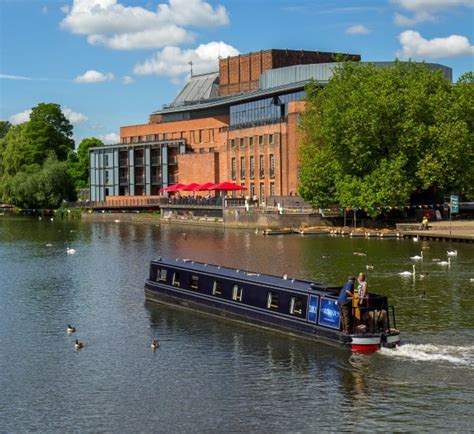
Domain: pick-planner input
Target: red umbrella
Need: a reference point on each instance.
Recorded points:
(228, 186)
(206, 186)
(190, 187)
(175, 187)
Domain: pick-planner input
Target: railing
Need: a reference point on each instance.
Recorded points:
(138, 162)
(192, 201)
(123, 180)
(123, 162)
(155, 161)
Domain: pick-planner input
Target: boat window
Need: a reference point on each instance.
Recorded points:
(296, 306)
(217, 288)
(175, 278)
(194, 282)
(161, 275)
(237, 292)
(272, 300)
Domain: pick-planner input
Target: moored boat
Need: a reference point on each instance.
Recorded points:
(300, 307)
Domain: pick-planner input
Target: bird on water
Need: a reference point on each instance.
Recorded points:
(154, 344)
(78, 345)
(71, 329)
(408, 273)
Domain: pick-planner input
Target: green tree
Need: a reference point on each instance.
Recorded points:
(4, 128)
(49, 130)
(46, 188)
(78, 162)
(374, 136)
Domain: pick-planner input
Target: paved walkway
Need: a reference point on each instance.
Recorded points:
(459, 229)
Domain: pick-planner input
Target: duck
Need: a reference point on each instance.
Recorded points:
(155, 344)
(78, 345)
(70, 251)
(445, 263)
(423, 275)
(256, 231)
(369, 267)
(117, 221)
(408, 273)
(452, 252)
(71, 329)
(417, 257)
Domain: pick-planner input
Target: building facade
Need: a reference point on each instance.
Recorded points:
(239, 124)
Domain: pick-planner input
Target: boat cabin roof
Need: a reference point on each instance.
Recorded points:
(284, 281)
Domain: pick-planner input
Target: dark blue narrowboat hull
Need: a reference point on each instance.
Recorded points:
(243, 314)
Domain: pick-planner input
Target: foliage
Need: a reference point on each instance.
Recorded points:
(4, 128)
(374, 136)
(79, 162)
(44, 188)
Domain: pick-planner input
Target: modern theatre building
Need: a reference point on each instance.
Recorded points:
(238, 124)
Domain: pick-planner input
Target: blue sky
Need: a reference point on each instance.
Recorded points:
(110, 63)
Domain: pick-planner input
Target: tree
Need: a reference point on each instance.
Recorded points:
(79, 162)
(4, 128)
(49, 130)
(46, 188)
(374, 136)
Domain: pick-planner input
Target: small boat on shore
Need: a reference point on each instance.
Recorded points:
(302, 308)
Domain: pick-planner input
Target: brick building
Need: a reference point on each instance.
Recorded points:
(238, 124)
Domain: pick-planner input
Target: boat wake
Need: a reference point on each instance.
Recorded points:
(457, 355)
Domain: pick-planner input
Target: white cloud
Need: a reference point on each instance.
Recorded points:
(13, 77)
(174, 61)
(127, 80)
(110, 138)
(93, 76)
(121, 27)
(64, 9)
(21, 117)
(358, 29)
(415, 46)
(425, 10)
(72, 116)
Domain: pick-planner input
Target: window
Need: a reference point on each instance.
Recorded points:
(232, 143)
(165, 136)
(161, 275)
(252, 189)
(124, 140)
(237, 292)
(272, 300)
(106, 160)
(270, 139)
(262, 191)
(260, 140)
(262, 166)
(217, 288)
(233, 168)
(157, 137)
(201, 136)
(242, 143)
(250, 142)
(148, 138)
(272, 166)
(296, 306)
(252, 167)
(211, 135)
(272, 189)
(242, 167)
(212, 149)
(202, 150)
(107, 177)
(194, 282)
(176, 278)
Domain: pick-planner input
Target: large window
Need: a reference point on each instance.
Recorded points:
(233, 168)
(252, 167)
(262, 111)
(237, 292)
(272, 165)
(217, 288)
(262, 166)
(272, 300)
(296, 306)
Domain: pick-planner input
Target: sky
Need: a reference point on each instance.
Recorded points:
(110, 63)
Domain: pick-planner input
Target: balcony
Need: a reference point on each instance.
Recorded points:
(123, 162)
(123, 180)
(155, 161)
(139, 179)
(139, 162)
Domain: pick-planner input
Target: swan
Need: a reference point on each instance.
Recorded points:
(71, 329)
(359, 254)
(408, 273)
(369, 267)
(78, 345)
(155, 344)
(416, 239)
(49, 245)
(417, 257)
(445, 263)
(116, 221)
(70, 251)
(471, 280)
(452, 252)
(52, 219)
(256, 231)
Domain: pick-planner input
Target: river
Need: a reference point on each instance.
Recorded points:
(213, 375)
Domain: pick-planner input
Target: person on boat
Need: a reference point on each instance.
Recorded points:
(344, 302)
(360, 297)
(378, 319)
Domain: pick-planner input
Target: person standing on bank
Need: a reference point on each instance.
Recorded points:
(345, 301)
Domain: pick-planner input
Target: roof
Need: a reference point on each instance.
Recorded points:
(199, 87)
(242, 275)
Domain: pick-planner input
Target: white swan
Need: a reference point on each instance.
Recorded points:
(416, 239)
(70, 251)
(369, 267)
(408, 273)
(452, 252)
(445, 263)
(417, 257)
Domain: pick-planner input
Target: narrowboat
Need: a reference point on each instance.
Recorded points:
(299, 307)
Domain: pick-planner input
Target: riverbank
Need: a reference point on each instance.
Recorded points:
(461, 230)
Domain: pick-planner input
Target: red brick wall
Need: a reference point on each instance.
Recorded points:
(198, 168)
